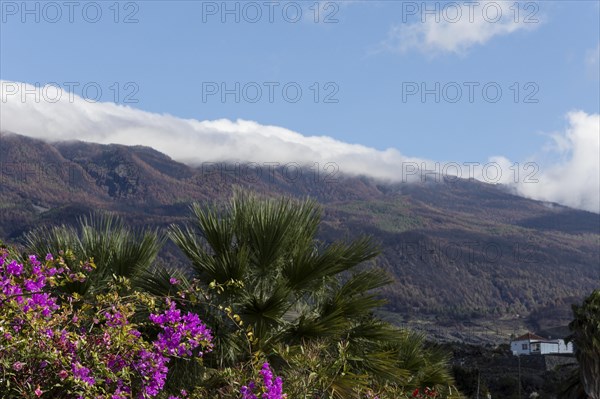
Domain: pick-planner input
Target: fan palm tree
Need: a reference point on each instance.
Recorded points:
(290, 283)
(585, 335)
(116, 249)
(290, 288)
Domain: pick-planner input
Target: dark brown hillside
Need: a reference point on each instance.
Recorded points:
(457, 250)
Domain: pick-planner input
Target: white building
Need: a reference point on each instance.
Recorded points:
(531, 344)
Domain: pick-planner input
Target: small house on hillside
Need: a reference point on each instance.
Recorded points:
(532, 344)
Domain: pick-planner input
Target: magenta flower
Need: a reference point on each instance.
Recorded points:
(83, 373)
(181, 335)
(102, 349)
(271, 388)
(18, 366)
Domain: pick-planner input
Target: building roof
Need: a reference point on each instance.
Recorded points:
(530, 337)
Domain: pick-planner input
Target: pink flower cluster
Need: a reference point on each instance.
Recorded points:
(27, 290)
(62, 350)
(272, 388)
(181, 334)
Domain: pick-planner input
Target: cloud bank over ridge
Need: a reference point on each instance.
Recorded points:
(573, 180)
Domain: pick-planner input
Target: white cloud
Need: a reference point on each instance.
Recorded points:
(457, 28)
(573, 180)
(186, 140)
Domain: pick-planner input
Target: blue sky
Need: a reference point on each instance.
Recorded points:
(368, 85)
(177, 47)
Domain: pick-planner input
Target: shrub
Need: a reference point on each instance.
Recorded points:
(60, 346)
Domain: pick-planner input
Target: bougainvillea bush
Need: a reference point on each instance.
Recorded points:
(60, 346)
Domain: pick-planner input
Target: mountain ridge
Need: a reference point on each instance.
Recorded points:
(456, 250)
